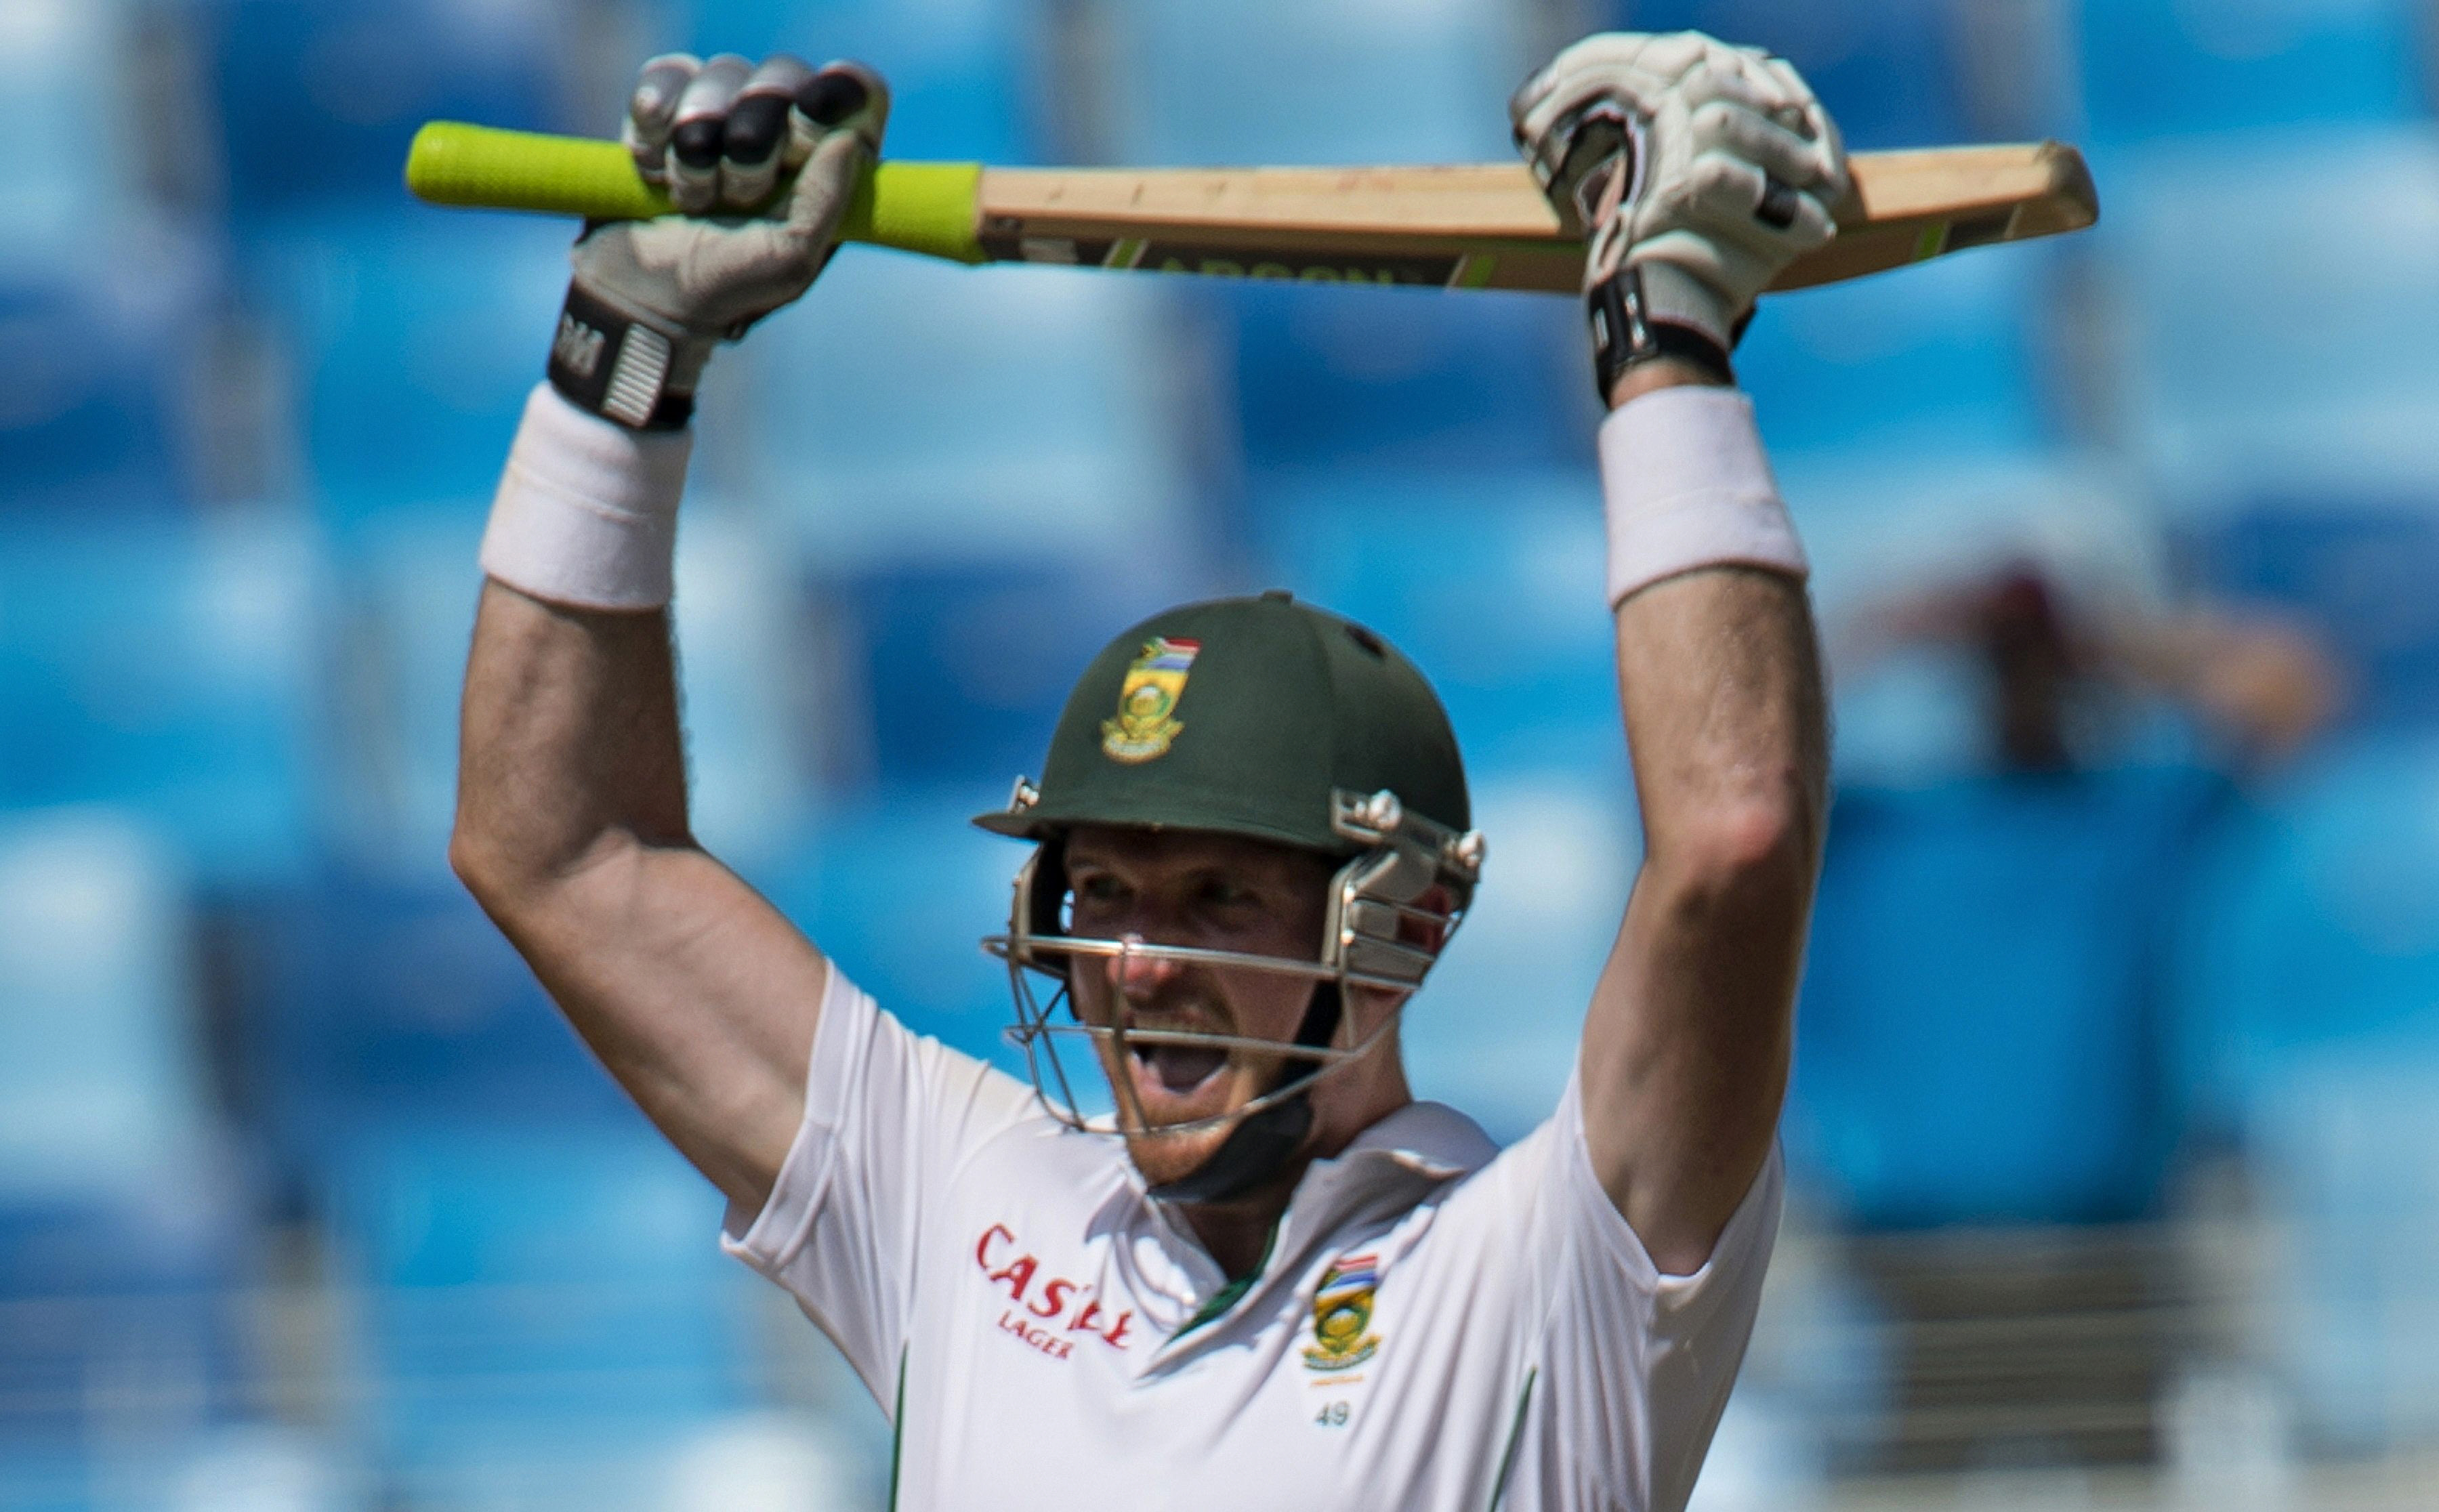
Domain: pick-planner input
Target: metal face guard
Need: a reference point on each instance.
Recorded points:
(1370, 897)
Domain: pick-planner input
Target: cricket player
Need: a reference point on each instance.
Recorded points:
(1216, 1256)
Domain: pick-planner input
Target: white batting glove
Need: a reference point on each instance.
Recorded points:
(1697, 172)
(651, 300)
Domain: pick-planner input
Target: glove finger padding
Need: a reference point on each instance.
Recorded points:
(755, 136)
(702, 121)
(652, 109)
(1728, 126)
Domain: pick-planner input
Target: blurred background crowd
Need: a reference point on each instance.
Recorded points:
(2116, 1117)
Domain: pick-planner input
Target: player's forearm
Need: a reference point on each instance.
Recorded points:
(569, 742)
(1719, 679)
(1718, 672)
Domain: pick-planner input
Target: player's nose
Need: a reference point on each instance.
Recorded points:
(1137, 976)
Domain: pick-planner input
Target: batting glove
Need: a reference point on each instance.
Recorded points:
(1695, 171)
(651, 300)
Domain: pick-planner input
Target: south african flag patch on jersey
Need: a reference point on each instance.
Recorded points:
(1342, 1314)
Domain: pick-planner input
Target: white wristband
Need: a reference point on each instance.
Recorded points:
(1686, 486)
(587, 512)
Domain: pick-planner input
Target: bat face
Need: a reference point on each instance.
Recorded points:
(1008, 239)
(1484, 226)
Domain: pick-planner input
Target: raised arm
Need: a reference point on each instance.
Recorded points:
(1700, 170)
(571, 828)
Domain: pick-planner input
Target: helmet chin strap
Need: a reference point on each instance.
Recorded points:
(1262, 1144)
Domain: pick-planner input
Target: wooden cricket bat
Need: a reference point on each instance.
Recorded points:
(1473, 226)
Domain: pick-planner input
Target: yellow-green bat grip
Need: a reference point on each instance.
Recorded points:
(925, 207)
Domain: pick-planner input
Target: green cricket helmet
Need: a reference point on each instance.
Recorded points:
(1265, 719)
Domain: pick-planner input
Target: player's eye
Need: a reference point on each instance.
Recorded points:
(1098, 887)
(1219, 892)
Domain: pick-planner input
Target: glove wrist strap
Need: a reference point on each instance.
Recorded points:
(607, 362)
(1627, 335)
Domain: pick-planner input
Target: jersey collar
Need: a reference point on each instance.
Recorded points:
(1381, 1176)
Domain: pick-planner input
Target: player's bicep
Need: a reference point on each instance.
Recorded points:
(699, 996)
(1683, 1069)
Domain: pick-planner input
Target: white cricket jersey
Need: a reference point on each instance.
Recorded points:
(1438, 1324)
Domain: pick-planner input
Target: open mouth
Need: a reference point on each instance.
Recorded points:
(1178, 1069)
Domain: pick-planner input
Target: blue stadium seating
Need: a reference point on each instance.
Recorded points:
(317, 98)
(1891, 72)
(1978, 1037)
(123, 1340)
(539, 1302)
(377, 999)
(2157, 68)
(963, 74)
(917, 412)
(169, 669)
(1952, 358)
(418, 333)
(1420, 379)
(1495, 1031)
(2358, 576)
(101, 1089)
(2313, 926)
(118, 1229)
(95, 369)
(2344, 1141)
(1295, 81)
(2225, 397)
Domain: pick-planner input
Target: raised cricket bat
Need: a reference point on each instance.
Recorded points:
(1470, 226)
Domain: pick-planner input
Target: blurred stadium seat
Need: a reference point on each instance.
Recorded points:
(61, 46)
(754, 674)
(2360, 577)
(416, 335)
(1412, 380)
(103, 1097)
(964, 75)
(918, 411)
(119, 1228)
(542, 1309)
(317, 98)
(169, 670)
(2229, 396)
(98, 360)
(1978, 1038)
(1308, 80)
(1955, 359)
(1892, 73)
(1495, 1033)
(2312, 924)
(2159, 68)
(386, 1000)
(2347, 1146)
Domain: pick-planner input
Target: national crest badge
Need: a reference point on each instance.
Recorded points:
(1147, 718)
(1342, 1315)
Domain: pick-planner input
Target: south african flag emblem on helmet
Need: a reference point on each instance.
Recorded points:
(1146, 721)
